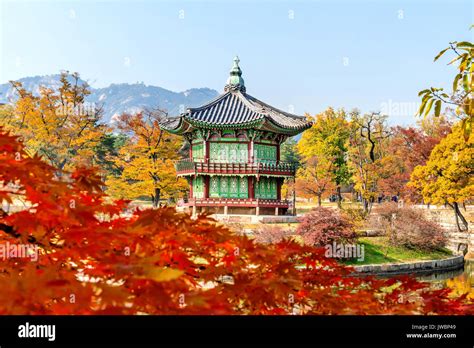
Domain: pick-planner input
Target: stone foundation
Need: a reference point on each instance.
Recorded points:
(253, 219)
(452, 263)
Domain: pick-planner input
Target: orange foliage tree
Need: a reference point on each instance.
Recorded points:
(92, 259)
(407, 148)
(58, 124)
(313, 178)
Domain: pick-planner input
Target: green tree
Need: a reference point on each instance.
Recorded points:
(289, 152)
(107, 151)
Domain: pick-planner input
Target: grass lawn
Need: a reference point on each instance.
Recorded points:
(377, 250)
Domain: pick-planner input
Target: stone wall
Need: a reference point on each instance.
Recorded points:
(445, 217)
(452, 263)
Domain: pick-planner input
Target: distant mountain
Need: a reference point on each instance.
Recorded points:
(123, 97)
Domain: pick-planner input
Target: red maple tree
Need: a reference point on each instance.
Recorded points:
(408, 148)
(95, 257)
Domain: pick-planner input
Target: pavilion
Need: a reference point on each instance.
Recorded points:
(234, 162)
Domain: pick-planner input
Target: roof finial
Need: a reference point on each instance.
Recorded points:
(236, 63)
(235, 82)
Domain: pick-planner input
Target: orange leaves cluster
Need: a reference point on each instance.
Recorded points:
(57, 124)
(96, 257)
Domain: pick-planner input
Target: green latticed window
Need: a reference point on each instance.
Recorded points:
(265, 153)
(198, 187)
(228, 152)
(198, 152)
(228, 187)
(266, 188)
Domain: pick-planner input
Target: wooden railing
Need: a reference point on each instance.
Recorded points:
(188, 167)
(239, 202)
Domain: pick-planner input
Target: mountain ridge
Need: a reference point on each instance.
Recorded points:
(118, 98)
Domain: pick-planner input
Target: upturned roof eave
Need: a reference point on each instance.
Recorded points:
(187, 125)
(266, 117)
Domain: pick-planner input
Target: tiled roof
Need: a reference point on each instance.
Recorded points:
(229, 108)
(237, 108)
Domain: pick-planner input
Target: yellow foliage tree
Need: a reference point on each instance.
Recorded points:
(448, 176)
(325, 141)
(58, 124)
(7, 119)
(146, 161)
(368, 159)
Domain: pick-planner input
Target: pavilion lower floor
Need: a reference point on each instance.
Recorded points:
(230, 206)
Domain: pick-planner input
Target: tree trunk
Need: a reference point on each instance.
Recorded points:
(367, 205)
(461, 221)
(156, 198)
(339, 197)
(319, 200)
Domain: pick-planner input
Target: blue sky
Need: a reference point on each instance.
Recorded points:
(297, 55)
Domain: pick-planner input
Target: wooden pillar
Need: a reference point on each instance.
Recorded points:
(226, 210)
(206, 186)
(257, 210)
(206, 151)
(279, 182)
(191, 187)
(194, 211)
(276, 211)
(251, 187)
(278, 153)
(251, 157)
(294, 197)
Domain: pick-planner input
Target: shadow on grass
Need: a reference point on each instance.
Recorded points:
(372, 254)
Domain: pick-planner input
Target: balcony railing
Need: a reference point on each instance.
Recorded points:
(189, 167)
(239, 202)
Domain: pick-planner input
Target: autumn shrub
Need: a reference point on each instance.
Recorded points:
(357, 216)
(323, 226)
(270, 233)
(408, 227)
